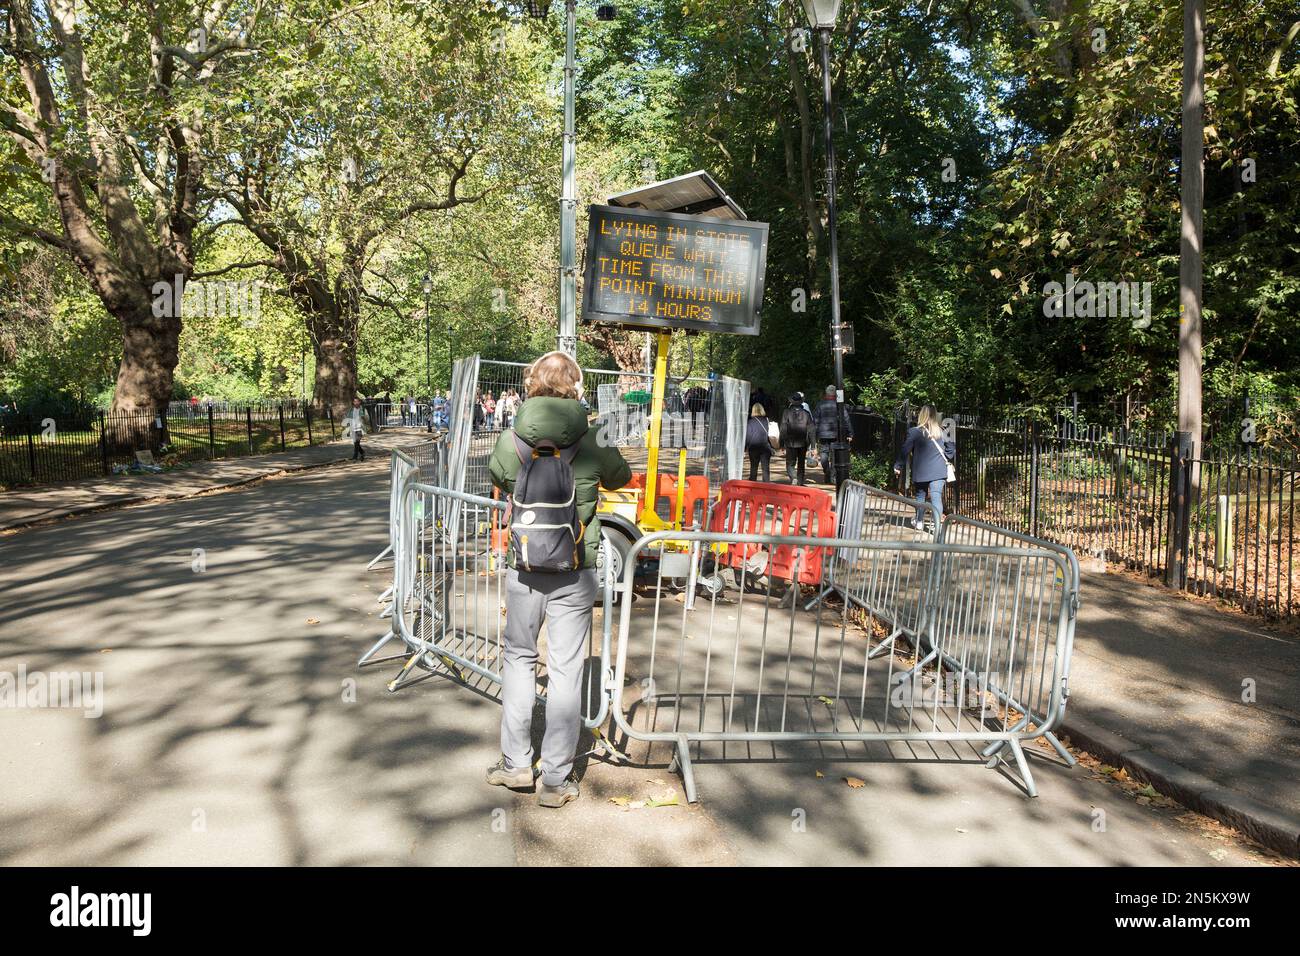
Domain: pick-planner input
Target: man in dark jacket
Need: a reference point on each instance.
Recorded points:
(552, 412)
(827, 432)
(797, 430)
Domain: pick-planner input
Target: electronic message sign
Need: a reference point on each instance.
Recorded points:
(663, 270)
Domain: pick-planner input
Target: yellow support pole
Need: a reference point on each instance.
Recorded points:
(681, 490)
(648, 513)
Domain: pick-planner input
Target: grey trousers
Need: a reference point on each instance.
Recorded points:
(564, 602)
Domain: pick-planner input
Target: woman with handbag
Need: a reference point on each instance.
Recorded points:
(932, 457)
(758, 442)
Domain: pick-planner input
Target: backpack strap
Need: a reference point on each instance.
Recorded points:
(525, 453)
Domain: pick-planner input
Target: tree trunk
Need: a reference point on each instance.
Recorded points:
(150, 351)
(336, 367)
(137, 419)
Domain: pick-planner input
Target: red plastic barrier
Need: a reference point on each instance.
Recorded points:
(756, 507)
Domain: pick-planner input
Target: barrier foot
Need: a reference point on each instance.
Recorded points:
(1026, 777)
(885, 646)
(993, 753)
(432, 661)
(1069, 758)
(366, 658)
(996, 754)
(402, 676)
(379, 557)
(682, 764)
(907, 674)
(817, 599)
(385, 596)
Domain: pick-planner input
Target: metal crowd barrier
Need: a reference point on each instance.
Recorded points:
(449, 605)
(1060, 598)
(747, 667)
(424, 460)
(400, 464)
(893, 592)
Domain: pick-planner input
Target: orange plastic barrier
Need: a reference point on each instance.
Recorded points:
(695, 505)
(500, 534)
(756, 507)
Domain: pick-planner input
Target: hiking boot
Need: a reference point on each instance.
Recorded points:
(499, 775)
(554, 797)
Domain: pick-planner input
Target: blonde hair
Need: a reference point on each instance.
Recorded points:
(928, 419)
(554, 375)
(757, 411)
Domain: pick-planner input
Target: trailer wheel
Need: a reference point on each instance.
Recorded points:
(615, 547)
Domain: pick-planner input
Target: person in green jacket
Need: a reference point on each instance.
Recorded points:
(552, 411)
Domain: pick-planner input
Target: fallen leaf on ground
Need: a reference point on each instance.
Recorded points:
(819, 774)
(312, 620)
(669, 799)
(855, 782)
(827, 701)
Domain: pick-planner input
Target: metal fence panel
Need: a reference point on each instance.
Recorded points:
(449, 603)
(748, 665)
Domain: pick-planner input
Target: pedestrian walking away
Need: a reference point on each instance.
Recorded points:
(932, 457)
(758, 442)
(356, 423)
(550, 466)
(797, 430)
(827, 430)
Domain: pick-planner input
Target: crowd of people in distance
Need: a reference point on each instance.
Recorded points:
(496, 413)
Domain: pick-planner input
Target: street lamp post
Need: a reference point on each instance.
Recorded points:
(822, 15)
(567, 340)
(427, 286)
(568, 337)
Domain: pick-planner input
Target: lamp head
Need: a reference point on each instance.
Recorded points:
(822, 14)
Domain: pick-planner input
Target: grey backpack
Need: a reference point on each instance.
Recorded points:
(545, 533)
